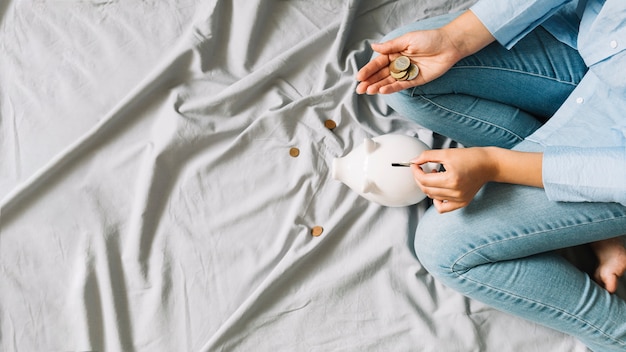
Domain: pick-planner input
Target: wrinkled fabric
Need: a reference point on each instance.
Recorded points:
(149, 201)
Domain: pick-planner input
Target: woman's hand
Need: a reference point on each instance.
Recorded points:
(430, 50)
(433, 51)
(468, 169)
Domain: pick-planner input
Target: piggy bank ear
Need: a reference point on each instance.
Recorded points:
(368, 186)
(369, 145)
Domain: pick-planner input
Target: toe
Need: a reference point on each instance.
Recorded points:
(607, 279)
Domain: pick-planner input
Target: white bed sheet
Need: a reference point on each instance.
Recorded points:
(150, 203)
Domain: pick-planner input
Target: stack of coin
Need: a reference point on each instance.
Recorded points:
(403, 69)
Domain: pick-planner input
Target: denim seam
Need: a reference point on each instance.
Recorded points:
(516, 71)
(544, 305)
(469, 117)
(524, 237)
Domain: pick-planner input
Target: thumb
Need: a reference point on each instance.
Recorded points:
(389, 47)
(427, 156)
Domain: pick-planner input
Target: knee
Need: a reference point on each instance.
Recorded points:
(439, 244)
(404, 102)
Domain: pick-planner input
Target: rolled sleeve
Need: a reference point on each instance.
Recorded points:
(509, 21)
(575, 174)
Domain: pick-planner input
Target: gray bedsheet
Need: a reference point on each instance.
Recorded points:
(150, 201)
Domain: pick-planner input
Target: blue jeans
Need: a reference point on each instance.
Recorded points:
(500, 249)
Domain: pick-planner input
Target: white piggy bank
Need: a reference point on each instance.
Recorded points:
(367, 170)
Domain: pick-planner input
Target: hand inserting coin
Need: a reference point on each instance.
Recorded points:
(402, 69)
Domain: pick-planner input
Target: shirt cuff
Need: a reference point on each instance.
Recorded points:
(509, 21)
(574, 174)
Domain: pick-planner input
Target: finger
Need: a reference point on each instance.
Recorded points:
(418, 174)
(442, 194)
(436, 156)
(445, 206)
(396, 86)
(374, 83)
(431, 179)
(361, 88)
(382, 86)
(372, 67)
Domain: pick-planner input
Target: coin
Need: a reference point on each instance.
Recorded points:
(402, 69)
(316, 231)
(294, 152)
(402, 76)
(400, 64)
(413, 72)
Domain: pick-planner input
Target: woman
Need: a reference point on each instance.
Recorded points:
(536, 91)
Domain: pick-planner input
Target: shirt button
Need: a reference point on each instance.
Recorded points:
(316, 231)
(580, 100)
(330, 124)
(613, 44)
(294, 152)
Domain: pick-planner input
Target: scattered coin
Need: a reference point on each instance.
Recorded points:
(316, 231)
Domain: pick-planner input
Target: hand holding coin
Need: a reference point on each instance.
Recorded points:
(412, 59)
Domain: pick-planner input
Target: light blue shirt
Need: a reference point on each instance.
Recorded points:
(585, 141)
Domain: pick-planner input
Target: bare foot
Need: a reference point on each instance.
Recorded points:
(611, 255)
